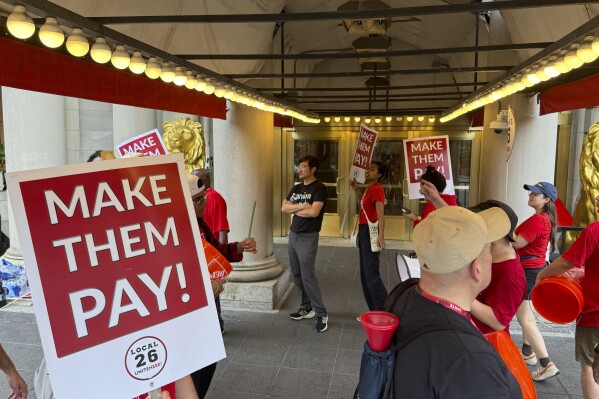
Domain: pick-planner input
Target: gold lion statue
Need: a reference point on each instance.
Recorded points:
(586, 212)
(185, 136)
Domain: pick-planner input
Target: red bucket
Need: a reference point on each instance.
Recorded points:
(513, 360)
(559, 299)
(379, 327)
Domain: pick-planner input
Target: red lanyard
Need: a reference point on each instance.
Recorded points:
(449, 305)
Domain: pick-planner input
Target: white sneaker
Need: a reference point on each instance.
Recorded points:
(545, 372)
(531, 360)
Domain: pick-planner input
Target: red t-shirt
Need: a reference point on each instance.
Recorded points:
(373, 193)
(215, 213)
(536, 230)
(450, 199)
(585, 252)
(504, 294)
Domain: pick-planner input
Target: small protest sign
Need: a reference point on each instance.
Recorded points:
(148, 143)
(363, 154)
(422, 152)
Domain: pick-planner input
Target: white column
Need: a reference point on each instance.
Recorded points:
(533, 155)
(243, 154)
(35, 137)
(128, 122)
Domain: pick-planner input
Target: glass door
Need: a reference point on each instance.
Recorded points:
(332, 172)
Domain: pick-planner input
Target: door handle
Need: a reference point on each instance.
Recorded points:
(403, 188)
(337, 185)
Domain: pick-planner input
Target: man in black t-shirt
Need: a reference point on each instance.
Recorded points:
(447, 356)
(306, 202)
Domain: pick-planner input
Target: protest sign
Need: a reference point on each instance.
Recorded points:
(420, 153)
(148, 143)
(363, 154)
(118, 274)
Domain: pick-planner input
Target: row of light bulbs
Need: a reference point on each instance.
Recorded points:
(378, 119)
(21, 26)
(563, 62)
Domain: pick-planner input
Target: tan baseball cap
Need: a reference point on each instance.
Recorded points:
(452, 237)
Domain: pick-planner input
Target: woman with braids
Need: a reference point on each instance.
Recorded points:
(372, 208)
(434, 176)
(530, 241)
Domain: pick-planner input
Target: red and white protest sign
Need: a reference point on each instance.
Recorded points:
(116, 266)
(419, 154)
(363, 154)
(148, 143)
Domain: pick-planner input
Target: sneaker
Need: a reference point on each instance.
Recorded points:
(322, 323)
(531, 359)
(545, 372)
(303, 314)
(358, 318)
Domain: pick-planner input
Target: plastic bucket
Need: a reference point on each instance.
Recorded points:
(379, 327)
(559, 299)
(513, 360)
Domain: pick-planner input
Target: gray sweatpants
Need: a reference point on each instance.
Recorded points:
(302, 255)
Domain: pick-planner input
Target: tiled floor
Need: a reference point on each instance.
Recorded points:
(271, 356)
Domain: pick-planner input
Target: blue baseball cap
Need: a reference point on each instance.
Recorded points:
(547, 189)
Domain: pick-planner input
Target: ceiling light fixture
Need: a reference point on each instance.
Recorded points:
(50, 33)
(190, 81)
(137, 65)
(209, 88)
(20, 24)
(168, 73)
(180, 78)
(120, 58)
(100, 51)
(153, 69)
(77, 44)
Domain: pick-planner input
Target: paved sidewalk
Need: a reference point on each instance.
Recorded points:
(271, 356)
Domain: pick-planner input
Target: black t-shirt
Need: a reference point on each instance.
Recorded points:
(445, 364)
(309, 193)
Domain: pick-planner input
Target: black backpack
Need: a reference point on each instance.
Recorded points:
(377, 368)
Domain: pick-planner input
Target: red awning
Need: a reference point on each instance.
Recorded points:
(282, 120)
(579, 94)
(37, 69)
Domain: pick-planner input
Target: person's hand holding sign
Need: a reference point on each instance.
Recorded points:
(247, 245)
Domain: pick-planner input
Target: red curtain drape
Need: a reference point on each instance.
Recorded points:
(28, 67)
(579, 94)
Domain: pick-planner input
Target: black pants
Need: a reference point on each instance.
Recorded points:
(375, 292)
(218, 312)
(202, 379)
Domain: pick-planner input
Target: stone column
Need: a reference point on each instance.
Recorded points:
(243, 154)
(35, 137)
(533, 155)
(128, 122)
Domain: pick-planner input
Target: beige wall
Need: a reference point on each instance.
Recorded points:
(532, 159)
